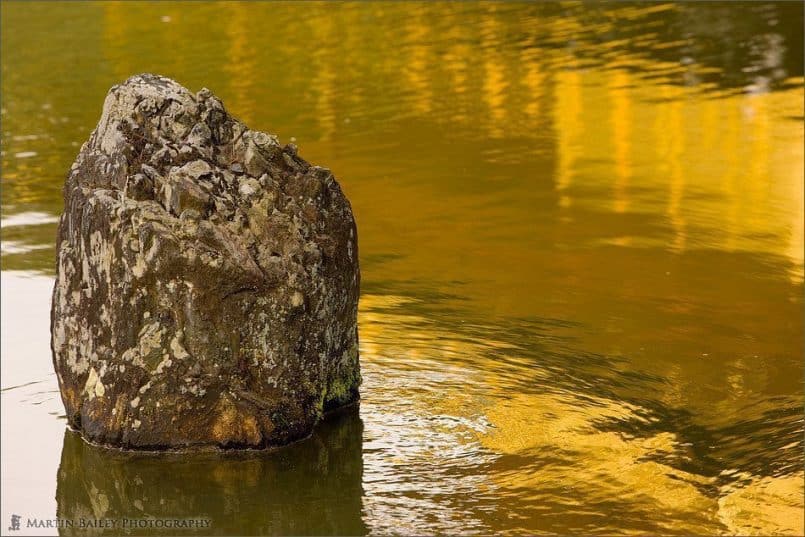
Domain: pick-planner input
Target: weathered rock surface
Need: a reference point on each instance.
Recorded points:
(207, 280)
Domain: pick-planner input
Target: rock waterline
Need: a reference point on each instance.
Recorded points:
(207, 280)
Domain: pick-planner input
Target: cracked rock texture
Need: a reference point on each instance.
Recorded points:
(207, 280)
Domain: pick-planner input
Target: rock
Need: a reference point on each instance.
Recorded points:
(207, 280)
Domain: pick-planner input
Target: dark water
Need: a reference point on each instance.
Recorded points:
(581, 233)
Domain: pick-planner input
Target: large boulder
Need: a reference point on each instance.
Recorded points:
(207, 280)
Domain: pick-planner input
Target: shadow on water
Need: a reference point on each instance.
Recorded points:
(314, 488)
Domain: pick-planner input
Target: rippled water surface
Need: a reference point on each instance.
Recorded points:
(581, 231)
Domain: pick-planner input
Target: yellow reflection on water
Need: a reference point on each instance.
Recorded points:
(725, 172)
(324, 77)
(495, 81)
(561, 441)
(619, 89)
(559, 438)
(606, 464)
(568, 111)
(764, 506)
(582, 248)
(241, 64)
(417, 62)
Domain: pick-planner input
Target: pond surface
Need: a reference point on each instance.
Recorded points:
(581, 231)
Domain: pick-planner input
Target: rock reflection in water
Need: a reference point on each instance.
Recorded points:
(313, 487)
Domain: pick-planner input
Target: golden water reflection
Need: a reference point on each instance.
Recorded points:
(581, 234)
(543, 436)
